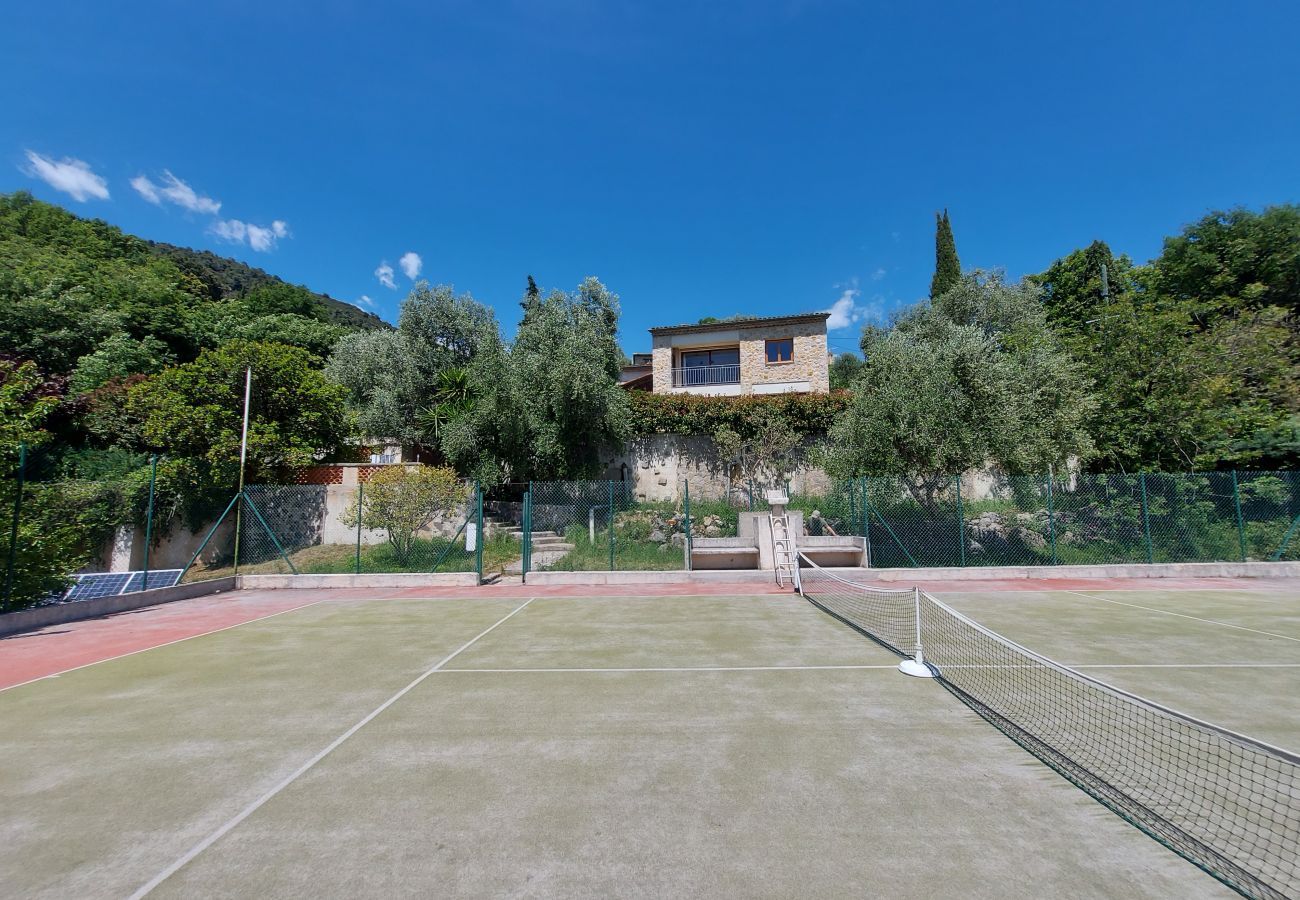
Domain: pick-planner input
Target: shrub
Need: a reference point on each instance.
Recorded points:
(806, 414)
(403, 501)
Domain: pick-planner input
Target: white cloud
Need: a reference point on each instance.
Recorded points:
(72, 176)
(175, 191)
(146, 189)
(258, 237)
(878, 274)
(231, 230)
(365, 301)
(847, 311)
(385, 275)
(411, 264)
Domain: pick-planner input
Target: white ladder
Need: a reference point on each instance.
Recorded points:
(783, 552)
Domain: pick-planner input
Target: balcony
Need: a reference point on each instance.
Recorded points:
(701, 376)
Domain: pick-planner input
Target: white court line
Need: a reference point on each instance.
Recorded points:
(1183, 616)
(681, 669)
(309, 764)
(893, 666)
(158, 646)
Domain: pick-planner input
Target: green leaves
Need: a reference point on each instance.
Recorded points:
(977, 378)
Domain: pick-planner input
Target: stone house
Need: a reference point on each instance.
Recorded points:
(768, 355)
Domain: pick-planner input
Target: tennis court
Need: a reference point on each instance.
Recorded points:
(539, 743)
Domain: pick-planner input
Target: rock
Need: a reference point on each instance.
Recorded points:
(658, 536)
(678, 539)
(1031, 538)
(974, 547)
(712, 531)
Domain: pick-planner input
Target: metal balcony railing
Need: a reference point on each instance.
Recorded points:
(697, 376)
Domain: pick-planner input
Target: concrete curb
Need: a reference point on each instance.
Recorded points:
(699, 576)
(391, 580)
(1139, 570)
(57, 614)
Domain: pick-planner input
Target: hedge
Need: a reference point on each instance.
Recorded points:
(810, 414)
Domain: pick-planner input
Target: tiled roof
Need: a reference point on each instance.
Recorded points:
(742, 323)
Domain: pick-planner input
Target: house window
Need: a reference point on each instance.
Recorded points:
(693, 358)
(779, 351)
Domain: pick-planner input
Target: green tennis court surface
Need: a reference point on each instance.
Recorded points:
(675, 746)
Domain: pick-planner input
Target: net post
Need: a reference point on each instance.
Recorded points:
(148, 519)
(525, 557)
(1146, 518)
(13, 528)
(961, 522)
(361, 496)
(611, 525)
(1051, 516)
(916, 666)
(1241, 528)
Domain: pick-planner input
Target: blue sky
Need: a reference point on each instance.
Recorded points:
(702, 159)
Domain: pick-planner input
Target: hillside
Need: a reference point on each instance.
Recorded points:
(69, 285)
(226, 278)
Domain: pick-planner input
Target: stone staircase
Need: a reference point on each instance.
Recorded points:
(548, 546)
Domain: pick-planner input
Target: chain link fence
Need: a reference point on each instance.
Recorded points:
(333, 529)
(50, 530)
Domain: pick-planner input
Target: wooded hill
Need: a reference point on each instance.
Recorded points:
(69, 286)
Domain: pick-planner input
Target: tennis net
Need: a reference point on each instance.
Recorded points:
(1224, 801)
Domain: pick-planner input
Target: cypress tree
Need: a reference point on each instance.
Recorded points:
(947, 268)
(532, 297)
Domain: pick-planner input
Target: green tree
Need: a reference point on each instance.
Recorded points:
(402, 502)
(844, 370)
(947, 268)
(194, 413)
(549, 405)
(973, 380)
(117, 357)
(391, 376)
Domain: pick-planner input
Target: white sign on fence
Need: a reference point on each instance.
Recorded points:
(471, 537)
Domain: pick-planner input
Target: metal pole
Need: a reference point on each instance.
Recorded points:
(243, 457)
(361, 498)
(13, 529)
(866, 521)
(1051, 516)
(961, 522)
(611, 526)
(1146, 517)
(1241, 528)
(148, 519)
(478, 544)
(686, 545)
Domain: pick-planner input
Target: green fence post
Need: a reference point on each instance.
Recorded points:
(1051, 517)
(361, 496)
(13, 529)
(866, 520)
(686, 507)
(148, 519)
(1241, 527)
(751, 494)
(211, 532)
(478, 543)
(1146, 517)
(611, 526)
(961, 522)
(527, 559)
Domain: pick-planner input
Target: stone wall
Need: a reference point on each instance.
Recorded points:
(657, 465)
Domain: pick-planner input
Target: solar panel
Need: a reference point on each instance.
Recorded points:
(109, 584)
